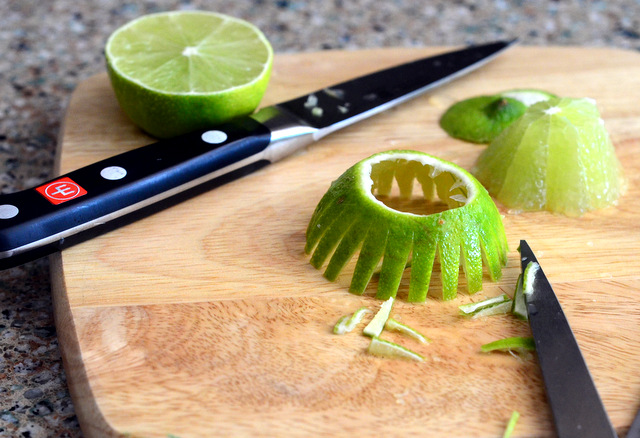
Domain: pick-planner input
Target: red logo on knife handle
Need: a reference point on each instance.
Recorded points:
(61, 190)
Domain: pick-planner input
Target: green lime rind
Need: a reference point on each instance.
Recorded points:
(377, 324)
(499, 305)
(397, 326)
(516, 343)
(511, 425)
(347, 323)
(383, 348)
(480, 119)
(557, 157)
(180, 71)
(519, 307)
(349, 219)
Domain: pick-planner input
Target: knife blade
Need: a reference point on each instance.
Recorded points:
(577, 408)
(119, 190)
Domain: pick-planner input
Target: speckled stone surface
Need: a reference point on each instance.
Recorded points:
(48, 47)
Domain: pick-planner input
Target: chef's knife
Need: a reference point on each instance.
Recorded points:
(110, 193)
(577, 408)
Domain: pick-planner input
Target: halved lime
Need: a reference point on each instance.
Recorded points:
(557, 157)
(466, 229)
(176, 72)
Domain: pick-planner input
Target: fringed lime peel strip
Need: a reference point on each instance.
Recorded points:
(350, 219)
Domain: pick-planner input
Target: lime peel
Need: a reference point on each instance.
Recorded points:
(511, 425)
(376, 325)
(383, 348)
(350, 219)
(397, 326)
(347, 323)
(519, 307)
(515, 343)
(491, 306)
(529, 278)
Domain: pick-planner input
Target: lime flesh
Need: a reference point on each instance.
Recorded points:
(556, 157)
(176, 72)
(350, 219)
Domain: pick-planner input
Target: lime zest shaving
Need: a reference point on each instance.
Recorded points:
(511, 425)
(395, 325)
(486, 307)
(516, 343)
(519, 307)
(347, 323)
(383, 348)
(375, 327)
(529, 278)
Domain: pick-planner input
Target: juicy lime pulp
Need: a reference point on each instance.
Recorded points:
(350, 218)
(175, 72)
(557, 157)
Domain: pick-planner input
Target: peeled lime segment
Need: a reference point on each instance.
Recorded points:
(382, 348)
(175, 72)
(556, 157)
(350, 220)
(480, 119)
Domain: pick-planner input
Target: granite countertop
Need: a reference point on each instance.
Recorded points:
(47, 48)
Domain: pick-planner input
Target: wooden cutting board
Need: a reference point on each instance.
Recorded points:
(207, 319)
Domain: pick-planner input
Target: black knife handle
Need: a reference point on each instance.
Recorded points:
(104, 195)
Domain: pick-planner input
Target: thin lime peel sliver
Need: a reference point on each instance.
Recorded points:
(397, 326)
(511, 425)
(519, 308)
(516, 343)
(499, 305)
(383, 348)
(350, 219)
(529, 278)
(347, 323)
(375, 327)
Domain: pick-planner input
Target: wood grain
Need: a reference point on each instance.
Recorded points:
(207, 319)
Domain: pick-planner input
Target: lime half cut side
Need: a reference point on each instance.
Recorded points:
(557, 157)
(176, 72)
(352, 217)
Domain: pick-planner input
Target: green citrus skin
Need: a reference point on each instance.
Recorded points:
(349, 218)
(177, 72)
(480, 119)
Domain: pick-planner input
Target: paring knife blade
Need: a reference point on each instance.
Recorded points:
(577, 408)
(116, 191)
